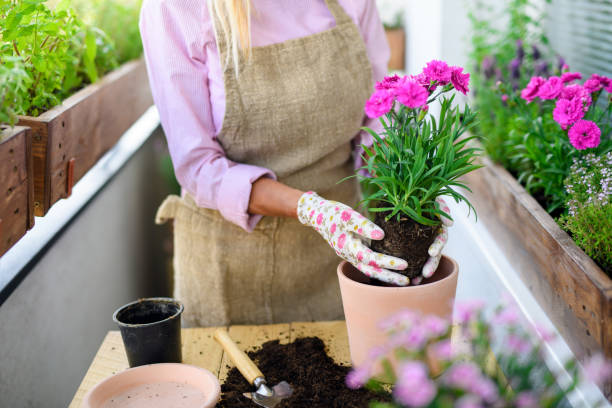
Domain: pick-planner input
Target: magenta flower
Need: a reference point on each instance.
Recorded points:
(411, 94)
(568, 77)
(577, 91)
(551, 89)
(507, 317)
(517, 345)
(469, 401)
(462, 375)
(585, 135)
(388, 83)
(379, 104)
(443, 350)
(414, 388)
(438, 71)
(567, 112)
(598, 369)
(593, 85)
(485, 389)
(460, 80)
(532, 89)
(424, 81)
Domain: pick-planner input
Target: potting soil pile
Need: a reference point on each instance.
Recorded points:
(317, 381)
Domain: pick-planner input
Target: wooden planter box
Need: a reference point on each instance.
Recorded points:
(396, 38)
(68, 139)
(17, 205)
(575, 293)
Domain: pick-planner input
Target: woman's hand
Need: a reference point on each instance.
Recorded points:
(344, 228)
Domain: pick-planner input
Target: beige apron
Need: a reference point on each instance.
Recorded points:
(293, 109)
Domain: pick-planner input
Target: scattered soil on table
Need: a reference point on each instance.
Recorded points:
(317, 381)
(406, 239)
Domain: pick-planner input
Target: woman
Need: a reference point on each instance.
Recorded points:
(262, 104)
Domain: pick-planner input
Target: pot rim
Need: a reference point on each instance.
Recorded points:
(180, 305)
(343, 278)
(212, 398)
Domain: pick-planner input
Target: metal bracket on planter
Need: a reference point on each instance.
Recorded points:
(70, 177)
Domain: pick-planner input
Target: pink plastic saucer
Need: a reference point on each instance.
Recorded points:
(156, 386)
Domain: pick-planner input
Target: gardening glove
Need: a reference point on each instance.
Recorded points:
(435, 249)
(344, 228)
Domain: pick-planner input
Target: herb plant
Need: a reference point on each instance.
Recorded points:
(14, 83)
(418, 158)
(433, 372)
(59, 52)
(589, 219)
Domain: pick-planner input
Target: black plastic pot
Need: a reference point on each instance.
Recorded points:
(151, 330)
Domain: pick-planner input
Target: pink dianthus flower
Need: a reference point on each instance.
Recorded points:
(379, 104)
(551, 89)
(460, 80)
(577, 91)
(438, 71)
(532, 89)
(567, 112)
(585, 135)
(388, 83)
(411, 94)
(414, 388)
(568, 77)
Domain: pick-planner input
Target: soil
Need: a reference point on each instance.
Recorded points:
(406, 239)
(317, 381)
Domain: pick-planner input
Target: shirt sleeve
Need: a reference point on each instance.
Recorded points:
(379, 53)
(174, 40)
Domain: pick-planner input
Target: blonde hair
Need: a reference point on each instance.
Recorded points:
(233, 17)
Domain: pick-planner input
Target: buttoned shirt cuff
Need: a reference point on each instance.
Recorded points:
(235, 193)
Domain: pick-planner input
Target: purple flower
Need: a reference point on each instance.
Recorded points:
(508, 316)
(462, 375)
(414, 388)
(541, 69)
(598, 369)
(438, 71)
(520, 50)
(532, 89)
(466, 311)
(568, 77)
(357, 377)
(517, 345)
(536, 53)
(488, 67)
(562, 65)
(567, 112)
(515, 68)
(460, 80)
(411, 94)
(435, 326)
(388, 83)
(379, 104)
(443, 350)
(585, 135)
(551, 89)
(469, 401)
(526, 399)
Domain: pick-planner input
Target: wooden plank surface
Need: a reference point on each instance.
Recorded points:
(200, 349)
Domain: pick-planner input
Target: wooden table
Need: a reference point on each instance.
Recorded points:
(200, 349)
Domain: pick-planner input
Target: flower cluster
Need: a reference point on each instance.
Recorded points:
(431, 371)
(590, 181)
(414, 91)
(572, 103)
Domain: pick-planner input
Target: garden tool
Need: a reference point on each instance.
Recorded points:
(264, 395)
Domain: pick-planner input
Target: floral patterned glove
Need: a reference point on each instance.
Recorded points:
(344, 228)
(435, 250)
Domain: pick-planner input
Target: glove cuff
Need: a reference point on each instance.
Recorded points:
(306, 206)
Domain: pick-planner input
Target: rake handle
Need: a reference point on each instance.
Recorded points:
(245, 365)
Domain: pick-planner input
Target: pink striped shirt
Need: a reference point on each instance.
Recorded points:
(187, 85)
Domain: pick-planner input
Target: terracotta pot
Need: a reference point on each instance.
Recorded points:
(396, 38)
(365, 306)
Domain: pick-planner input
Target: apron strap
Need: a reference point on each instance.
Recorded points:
(168, 210)
(338, 12)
